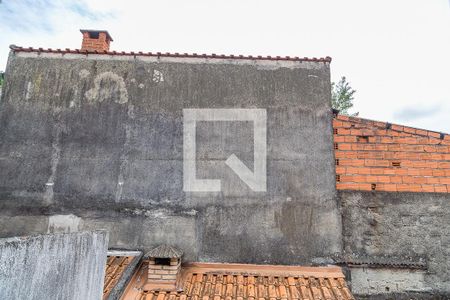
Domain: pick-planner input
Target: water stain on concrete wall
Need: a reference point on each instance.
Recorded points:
(108, 86)
(63, 223)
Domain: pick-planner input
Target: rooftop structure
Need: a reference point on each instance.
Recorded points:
(95, 40)
(231, 281)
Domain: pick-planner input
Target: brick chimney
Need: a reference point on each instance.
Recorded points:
(164, 266)
(95, 40)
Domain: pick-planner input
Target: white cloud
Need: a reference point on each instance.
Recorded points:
(393, 52)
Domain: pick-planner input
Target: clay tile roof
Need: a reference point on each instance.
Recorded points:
(120, 266)
(249, 282)
(164, 251)
(326, 59)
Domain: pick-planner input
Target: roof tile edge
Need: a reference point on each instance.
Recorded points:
(394, 126)
(326, 59)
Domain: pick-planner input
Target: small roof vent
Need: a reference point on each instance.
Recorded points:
(164, 268)
(164, 251)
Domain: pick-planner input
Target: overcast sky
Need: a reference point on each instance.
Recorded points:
(394, 53)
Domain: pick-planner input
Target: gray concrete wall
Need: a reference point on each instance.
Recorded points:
(56, 266)
(96, 141)
(396, 228)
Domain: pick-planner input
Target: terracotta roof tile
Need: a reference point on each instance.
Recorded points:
(15, 48)
(252, 282)
(117, 265)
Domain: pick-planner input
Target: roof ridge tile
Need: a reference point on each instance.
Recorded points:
(326, 59)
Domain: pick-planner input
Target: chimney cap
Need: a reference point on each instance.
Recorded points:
(164, 251)
(98, 31)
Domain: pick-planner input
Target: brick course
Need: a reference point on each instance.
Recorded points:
(377, 156)
(95, 44)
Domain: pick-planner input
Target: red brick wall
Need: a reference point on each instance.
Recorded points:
(100, 44)
(379, 156)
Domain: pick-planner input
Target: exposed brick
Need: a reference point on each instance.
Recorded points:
(345, 147)
(360, 178)
(443, 165)
(421, 132)
(381, 147)
(389, 171)
(350, 139)
(396, 179)
(429, 148)
(336, 123)
(444, 180)
(425, 164)
(155, 267)
(171, 267)
(370, 155)
(413, 172)
(426, 172)
(439, 172)
(435, 141)
(392, 133)
(440, 189)
(428, 188)
(434, 134)
(355, 132)
(397, 127)
(342, 117)
(405, 140)
(99, 44)
(342, 131)
(409, 129)
(374, 139)
(351, 162)
(377, 171)
(379, 124)
(346, 124)
(340, 170)
(401, 171)
(386, 140)
(347, 186)
(432, 180)
(420, 180)
(396, 159)
(434, 156)
(365, 187)
(409, 187)
(395, 147)
(376, 163)
(339, 138)
(358, 170)
(386, 187)
(384, 179)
